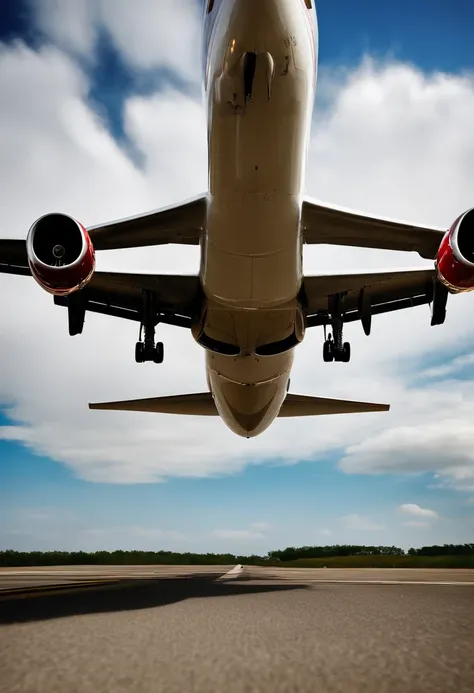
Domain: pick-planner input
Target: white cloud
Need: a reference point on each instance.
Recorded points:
(61, 528)
(261, 526)
(446, 369)
(443, 445)
(153, 34)
(132, 533)
(413, 135)
(325, 532)
(361, 523)
(255, 530)
(415, 524)
(71, 24)
(38, 516)
(147, 33)
(417, 511)
(237, 534)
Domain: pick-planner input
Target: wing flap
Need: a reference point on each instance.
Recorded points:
(302, 405)
(176, 298)
(378, 287)
(198, 404)
(174, 292)
(322, 223)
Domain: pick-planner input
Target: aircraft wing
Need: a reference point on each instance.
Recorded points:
(181, 223)
(176, 297)
(119, 294)
(371, 293)
(13, 258)
(322, 223)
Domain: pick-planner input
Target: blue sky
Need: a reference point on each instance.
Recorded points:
(51, 501)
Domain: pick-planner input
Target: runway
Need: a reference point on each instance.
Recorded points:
(163, 628)
(75, 576)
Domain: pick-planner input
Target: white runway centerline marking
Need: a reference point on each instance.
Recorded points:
(235, 572)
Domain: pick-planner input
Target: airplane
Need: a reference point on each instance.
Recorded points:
(250, 304)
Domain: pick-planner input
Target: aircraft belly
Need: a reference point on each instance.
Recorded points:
(252, 255)
(248, 330)
(252, 252)
(260, 83)
(258, 134)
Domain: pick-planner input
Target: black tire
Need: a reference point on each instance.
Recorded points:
(346, 352)
(140, 352)
(159, 354)
(328, 354)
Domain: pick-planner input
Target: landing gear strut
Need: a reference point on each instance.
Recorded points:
(147, 350)
(334, 348)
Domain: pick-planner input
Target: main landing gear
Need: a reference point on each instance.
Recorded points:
(146, 349)
(149, 351)
(334, 348)
(332, 353)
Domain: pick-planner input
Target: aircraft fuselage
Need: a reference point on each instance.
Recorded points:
(260, 65)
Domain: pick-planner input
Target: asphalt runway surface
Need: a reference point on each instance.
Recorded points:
(257, 630)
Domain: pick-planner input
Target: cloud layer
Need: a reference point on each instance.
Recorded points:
(146, 34)
(388, 139)
(416, 511)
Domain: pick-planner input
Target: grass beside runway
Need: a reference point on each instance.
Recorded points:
(424, 562)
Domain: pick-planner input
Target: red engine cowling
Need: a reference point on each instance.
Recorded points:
(60, 254)
(455, 259)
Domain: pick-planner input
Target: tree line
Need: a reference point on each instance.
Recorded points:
(49, 558)
(31, 558)
(293, 554)
(445, 550)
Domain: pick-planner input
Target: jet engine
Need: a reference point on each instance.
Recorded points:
(60, 254)
(455, 259)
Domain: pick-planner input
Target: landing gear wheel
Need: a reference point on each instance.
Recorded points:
(343, 355)
(328, 353)
(346, 352)
(334, 348)
(140, 352)
(159, 353)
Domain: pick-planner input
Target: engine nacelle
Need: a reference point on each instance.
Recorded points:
(455, 259)
(60, 254)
